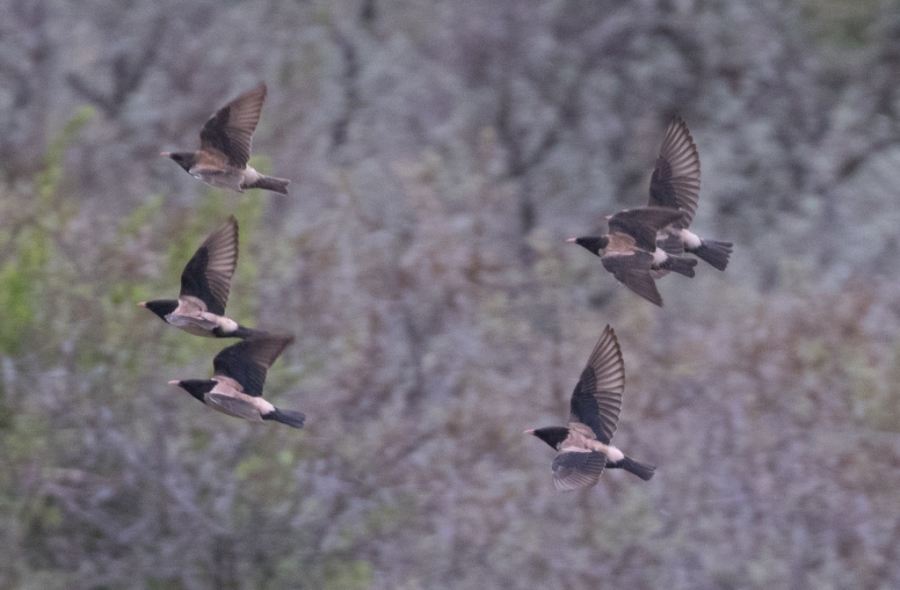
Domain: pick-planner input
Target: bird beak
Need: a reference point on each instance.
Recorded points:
(529, 431)
(571, 239)
(143, 304)
(174, 382)
(166, 154)
(608, 217)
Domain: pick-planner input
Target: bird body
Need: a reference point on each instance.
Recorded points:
(205, 284)
(239, 373)
(643, 225)
(630, 252)
(584, 446)
(225, 142)
(225, 396)
(582, 439)
(192, 317)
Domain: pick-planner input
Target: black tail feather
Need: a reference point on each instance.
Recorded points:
(715, 253)
(683, 266)
(241, 332)
(289, 417)
(245, 332)
(270, 183)
(641, 470)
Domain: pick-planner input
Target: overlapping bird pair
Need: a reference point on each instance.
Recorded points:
(239, 371)
(643, 245)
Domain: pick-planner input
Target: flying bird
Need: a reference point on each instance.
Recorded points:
(583, 446)
(205, 283)
(239, 373)
(629, 251)
(675, 184)
(225, 147)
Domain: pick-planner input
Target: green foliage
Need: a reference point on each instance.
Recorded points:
(343, 574)
(48, 180)
(17, 300)
(155, 583)
(844, 23)
(142, 216)
(27, 240)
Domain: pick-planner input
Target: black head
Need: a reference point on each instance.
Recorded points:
(592, 243)
(184, 159)
(161, 307)
(196, 387)
(552, 435)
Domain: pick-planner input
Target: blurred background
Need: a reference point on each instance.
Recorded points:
(440, 153)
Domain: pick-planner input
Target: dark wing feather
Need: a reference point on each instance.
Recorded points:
(675, 183)
(207, 275)
(633, 270)
(643, 223)
(247, 361)
(597, 398)
(574, 470)
(230, 130)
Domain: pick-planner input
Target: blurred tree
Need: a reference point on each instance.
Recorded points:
(440, 153)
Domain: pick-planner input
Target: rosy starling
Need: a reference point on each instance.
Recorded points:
(583, 447)
(225, 147)
(675, 184)
(239, 373)
(629, 251)
(205, 283)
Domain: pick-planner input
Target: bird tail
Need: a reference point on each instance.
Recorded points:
(270, 183)
(245, 332)
(641, 470)
(289, 417)
(242, 332)
(715, 253)
(683, 266)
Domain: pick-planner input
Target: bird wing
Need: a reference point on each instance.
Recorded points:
(207, 275)
(643, 223)
(233, 406)
(633, 270)
(576, 469)
(597, 398)
(247, 361)
(230, 130)
(675, 182)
